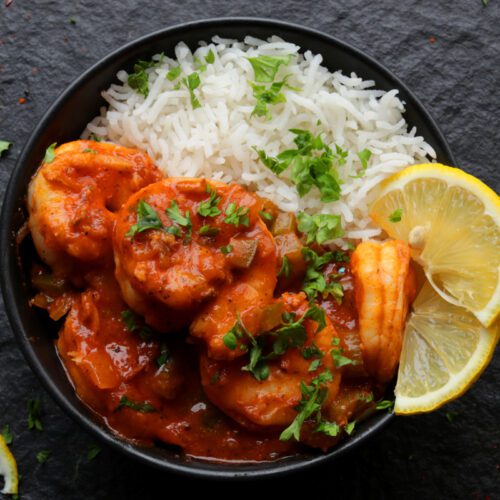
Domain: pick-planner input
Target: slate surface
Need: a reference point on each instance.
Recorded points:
(448, 53)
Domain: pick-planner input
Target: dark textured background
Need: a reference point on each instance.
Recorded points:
(449, 55)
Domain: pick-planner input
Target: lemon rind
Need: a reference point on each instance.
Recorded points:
(8, 469)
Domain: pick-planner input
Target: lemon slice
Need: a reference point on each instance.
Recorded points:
(445, 349)
(8, 469)
(451, 220)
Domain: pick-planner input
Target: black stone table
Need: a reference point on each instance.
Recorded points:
(447, 52)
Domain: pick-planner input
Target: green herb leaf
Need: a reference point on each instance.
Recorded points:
(485, 2)
(315, 364)
(208, 208)
(125, 402)
(368, 398)
(164, 354)
(349, 427)
(139, 79)
(265, 215)
(43, 456)
(331, 429)
(147, 218)
(50, 154)
(192, 82)
(207, 230)
(450, 416)
(312, 351)
(95, 137)
(396, 215)
(285, 268)
(385, 405)
(93, 451)
(238, 216)
(4, 146)
(134, 323)
(174, 73)
(34, 413)
(230, 339)
(226, 249)
(7, 434)
(89, 150)
(210, 58)
(266, 96)
(72, 20)
(266, 67)
(339, 359)
(364, 156)
(317, 314)
(182, 220)
(320, 227)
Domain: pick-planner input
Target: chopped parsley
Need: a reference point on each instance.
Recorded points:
(265, 96)
(313, 163)
(314, 281)
(266, 67)
(226, 249)
(174, 73)
(89, 150)
(349, 427)
(192, 82)
(450, 416)
(34, 413)
(125, 402)
(285, 268)
(181, 220)
(50, 154)
(313, 397)
(207, 230)
(237, 332)
(265, 215)
(139, 79)
(164, 354)
(396, 215)
(147, 218)
(331, 429)
(366, 398)
(364, 156)
(210, 57)
(385, 405)
(95, 137)
(7, 434)
(208, 208)
(133, 324)
(339, 359)
(93, 451)
(43, 456)
(238, 216)
(4, 146)
(320, 227)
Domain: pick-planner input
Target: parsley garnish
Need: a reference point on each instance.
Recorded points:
(339, 359)
(266, 67)
(285, 267)
(4, 146)
(226, 249)
(174, 73)
(313, 397)
(450, 416)
(95, 137)
(265, 215)
(385, 405)
(50, 153)
(364, 157)
(34, 411)
(208, 208)
(314, 281)
(89, 150)
(192, 82)
(265, 96)
(7, 434)
(309, 169)
(237, 332)
(238, 216)
(210, 57)
(207, 230)
(320, 227)
(147, 218)
(164, 354)
(132, 322)
(125, 402)
(349, 427)
(43, 456)
(368, 398)
(329, 428)
(181, 220)
(396, 215)
(93, 451)
(139, 79)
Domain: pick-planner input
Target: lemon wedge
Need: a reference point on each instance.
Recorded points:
(445, 349)
(451, 220)
(8, 469)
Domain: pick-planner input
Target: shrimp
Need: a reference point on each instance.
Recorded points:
(72, 200)
(385, 286)
(272, 402)
(205, 239)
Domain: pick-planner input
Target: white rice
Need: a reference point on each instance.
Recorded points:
(217, 140)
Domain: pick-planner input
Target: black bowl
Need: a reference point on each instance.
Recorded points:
(64, 121)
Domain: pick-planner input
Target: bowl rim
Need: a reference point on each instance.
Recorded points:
(10, 264)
